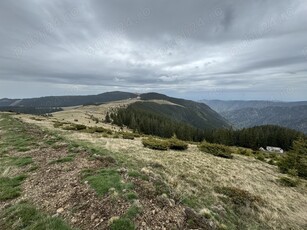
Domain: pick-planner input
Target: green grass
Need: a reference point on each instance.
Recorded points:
(132, 212)
(121, 224)
(25, 216)
(21, 161)
(63, 160)
(6, 161)
(136, 174)
(10, 187)
(103, 180)
(131, 196)
(126, 222)
(18, 136)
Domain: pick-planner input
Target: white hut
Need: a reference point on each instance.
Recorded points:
(274, 149)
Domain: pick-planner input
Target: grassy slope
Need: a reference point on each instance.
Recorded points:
(193, 177)
(16, 137)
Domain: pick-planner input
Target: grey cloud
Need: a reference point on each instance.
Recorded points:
(181, 47)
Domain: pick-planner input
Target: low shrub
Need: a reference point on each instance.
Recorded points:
(260, 157)
(155, 144)
(243, 152)
(74, 127)
(58, 124)
(216, 150)
(176, 144)
(79, 127)
(128, 136)
(136, 135)
(288, 182)
(239, 197)
(100, 129)
(158, 144)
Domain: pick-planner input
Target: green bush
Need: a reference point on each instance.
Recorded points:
(260, 157)
(155, 144)
(158, 144)
(296, 159)
(58, 124)
(69, 127)
(74, 127)
(79, 127)
(243, 152)
(136, 135)
(176, 144)
(239, 197)
(128, 136)
(289, 182)
(100, 129)
(216, 150)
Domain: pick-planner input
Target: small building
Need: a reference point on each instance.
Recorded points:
(274, 149)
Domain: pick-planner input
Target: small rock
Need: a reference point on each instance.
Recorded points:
(74, 220)
(93, 216)
(205, 212)
(122, 170)
(153, 212)
(137, 203)
(145, 171)
(86, 182)
(143, 223)
(172, 202)
(60, 210)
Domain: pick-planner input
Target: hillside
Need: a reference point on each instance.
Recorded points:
(83, 180)
(244, 114)
(224, 106)
(294, 117)
(65, 101)
(196, 114)
(192, 113)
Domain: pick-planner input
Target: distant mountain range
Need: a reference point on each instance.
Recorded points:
(244, 114)
(65, 101)
(189, 112)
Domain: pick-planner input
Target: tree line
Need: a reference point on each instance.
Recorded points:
(150, 123)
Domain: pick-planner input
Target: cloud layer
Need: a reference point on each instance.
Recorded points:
(238, 49)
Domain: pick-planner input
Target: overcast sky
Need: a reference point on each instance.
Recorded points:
(231, 49)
